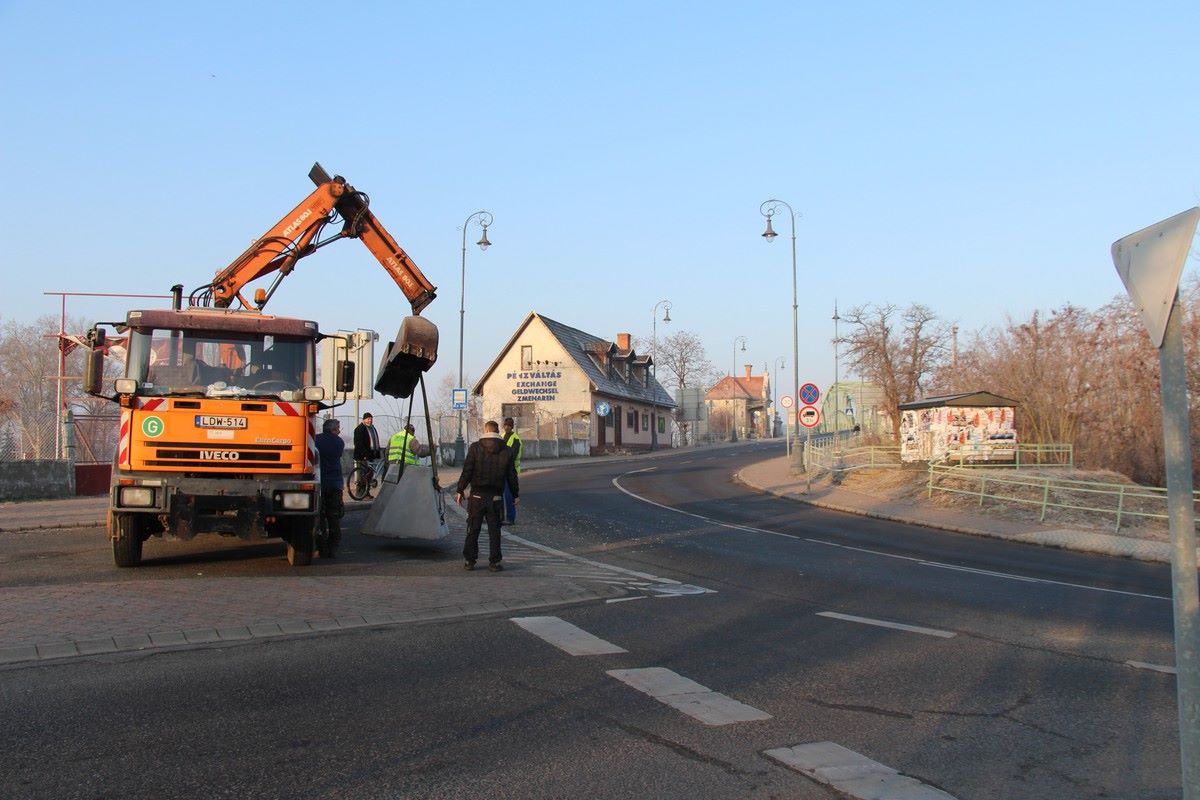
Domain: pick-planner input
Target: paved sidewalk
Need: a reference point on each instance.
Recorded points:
(774, 476)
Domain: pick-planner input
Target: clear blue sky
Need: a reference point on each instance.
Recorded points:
(978, 159)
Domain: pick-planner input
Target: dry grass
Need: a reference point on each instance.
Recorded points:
(909, 485)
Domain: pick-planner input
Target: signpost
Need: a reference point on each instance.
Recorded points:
(787, 401)
(809, 416)
(1150, 263)
(809, 395)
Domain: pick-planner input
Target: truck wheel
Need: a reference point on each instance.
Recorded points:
(300, 544)
(126, 540)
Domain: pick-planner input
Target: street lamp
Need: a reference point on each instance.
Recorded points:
(484, 219)
(769, 209)
(733, 375)
(666, 305)
(837, 418)
(779, 361)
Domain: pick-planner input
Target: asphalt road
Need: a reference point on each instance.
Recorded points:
(1010, 679)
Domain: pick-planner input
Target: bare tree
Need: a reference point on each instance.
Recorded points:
(29, 370)
(683, 362)
(899, 362)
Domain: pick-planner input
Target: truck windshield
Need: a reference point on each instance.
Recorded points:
(168, 362)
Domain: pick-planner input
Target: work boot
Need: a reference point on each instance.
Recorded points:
(497, 567)
(468, 565)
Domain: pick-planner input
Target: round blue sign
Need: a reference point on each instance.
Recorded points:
(603, 409)
(809, 394)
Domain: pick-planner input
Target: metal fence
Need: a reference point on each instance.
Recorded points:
(1011, 454)
(35, 439)
(543, 437)
(1125, 502)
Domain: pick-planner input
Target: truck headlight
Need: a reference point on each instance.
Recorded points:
(125, 385)
(294, 501)
(136, 497)
(314, 394)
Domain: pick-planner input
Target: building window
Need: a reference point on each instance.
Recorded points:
(630, 419)
(526, 357)
(645, 422)
(522, 413)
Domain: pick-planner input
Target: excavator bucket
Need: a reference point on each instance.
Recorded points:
(410, 507)
(413, 352)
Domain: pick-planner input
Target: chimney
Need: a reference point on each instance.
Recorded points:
(623, 341)
(748, 370)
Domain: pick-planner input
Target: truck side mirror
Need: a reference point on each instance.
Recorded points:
(93, 371)
(345, 376)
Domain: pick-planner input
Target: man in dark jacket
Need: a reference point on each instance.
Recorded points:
(488, 465)
(330, 447)
(366, 439)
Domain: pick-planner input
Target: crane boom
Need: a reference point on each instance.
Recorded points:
(297, 235)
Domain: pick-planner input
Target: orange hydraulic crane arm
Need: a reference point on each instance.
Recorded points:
(298, 235)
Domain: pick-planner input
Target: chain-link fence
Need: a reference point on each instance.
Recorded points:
(37, 439)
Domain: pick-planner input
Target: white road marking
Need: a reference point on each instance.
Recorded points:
(567, 637)
(683, 694)
(1155, 667)
(885, 624)
(852, 773)
(880, 553)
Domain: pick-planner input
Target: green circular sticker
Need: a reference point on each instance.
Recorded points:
(152, 427)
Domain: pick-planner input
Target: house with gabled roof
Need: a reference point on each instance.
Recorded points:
(738, 406)
(559, 383)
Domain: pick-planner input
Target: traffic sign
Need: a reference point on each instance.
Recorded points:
(458, 399)
(809, 416)
(602, 409)
(1150, 263)
(809, 394)
(786, 401)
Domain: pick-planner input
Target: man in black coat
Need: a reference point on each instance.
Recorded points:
(366, 439)
(488, 465)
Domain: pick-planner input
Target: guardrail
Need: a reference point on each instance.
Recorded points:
(836, 455)
(1012, 454)
(1121, 500)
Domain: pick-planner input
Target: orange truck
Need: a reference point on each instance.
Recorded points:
(219, 400)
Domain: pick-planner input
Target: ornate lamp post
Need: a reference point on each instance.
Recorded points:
(837, 418)
(733, 375)
(779, 361)
(769, 209)
(666, 306)
(484, 219)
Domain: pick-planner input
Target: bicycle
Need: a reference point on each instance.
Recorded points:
(365, 476)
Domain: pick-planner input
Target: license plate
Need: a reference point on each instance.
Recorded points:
(209, 421)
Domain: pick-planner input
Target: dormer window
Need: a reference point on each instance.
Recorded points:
(526, 357)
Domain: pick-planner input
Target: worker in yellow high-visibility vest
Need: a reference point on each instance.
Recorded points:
(403, 446)
(514, 443)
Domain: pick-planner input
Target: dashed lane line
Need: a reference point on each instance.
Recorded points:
(567, 637)
(1154, 667)
(852, 773)
(881, 623)
(683, 694)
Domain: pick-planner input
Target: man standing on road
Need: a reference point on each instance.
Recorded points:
(514, 443)
(330, 448)
(403, 445)
(366, 446)
(487, 469)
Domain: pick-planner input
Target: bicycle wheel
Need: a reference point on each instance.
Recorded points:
(359, 482)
